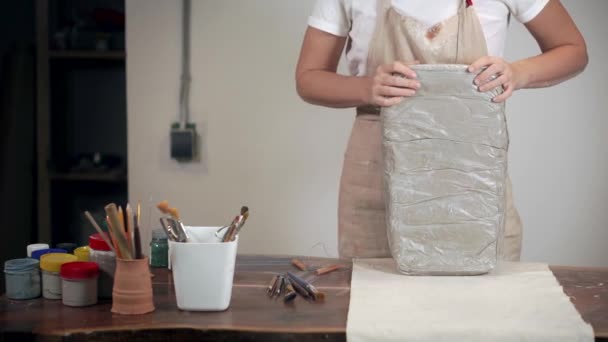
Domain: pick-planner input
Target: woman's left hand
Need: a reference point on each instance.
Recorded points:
(498, 73)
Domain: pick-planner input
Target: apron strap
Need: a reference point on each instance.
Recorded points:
(368, 110)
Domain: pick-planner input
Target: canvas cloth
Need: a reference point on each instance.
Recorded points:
(515, 302)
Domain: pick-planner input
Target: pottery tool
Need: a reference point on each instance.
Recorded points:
(299, 264)
(273, 283)
(138, 230)
(98, 229)
(130, 228)
(112, 238)
(117, 225)
(121, 219)
(291, 294)
(327, 269)
(280, 286)
(291, 285)
(277, 286)
(300, 290)
(310, 289)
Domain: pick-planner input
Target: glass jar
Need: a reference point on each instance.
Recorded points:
(22, 277)
(100, 252)
(159, 249)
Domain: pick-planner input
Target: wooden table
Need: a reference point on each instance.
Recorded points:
(252, 315)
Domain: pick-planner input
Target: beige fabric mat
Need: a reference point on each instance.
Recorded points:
(515, 302)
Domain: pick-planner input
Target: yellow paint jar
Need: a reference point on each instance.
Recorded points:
(82, 253)
(50, 264)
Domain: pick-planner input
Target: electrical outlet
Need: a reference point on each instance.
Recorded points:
(183, 142)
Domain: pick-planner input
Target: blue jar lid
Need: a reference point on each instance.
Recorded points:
(21, 265)
(37, 254)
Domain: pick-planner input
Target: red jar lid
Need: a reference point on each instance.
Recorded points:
(97, 243)
(79, 270)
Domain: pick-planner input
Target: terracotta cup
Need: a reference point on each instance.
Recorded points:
(132, 292)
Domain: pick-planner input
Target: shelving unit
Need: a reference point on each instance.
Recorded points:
(81, 111)
(89, 177)
(113, 55)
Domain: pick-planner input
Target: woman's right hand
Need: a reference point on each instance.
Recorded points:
(390, 84)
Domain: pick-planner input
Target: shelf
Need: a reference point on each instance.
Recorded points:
(111, 177)
(83, 54)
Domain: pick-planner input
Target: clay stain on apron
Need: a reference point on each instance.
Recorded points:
(432, 32)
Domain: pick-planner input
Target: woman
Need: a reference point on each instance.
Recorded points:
(382, 39)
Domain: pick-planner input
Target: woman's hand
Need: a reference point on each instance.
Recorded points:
(390, 84)
(498, 73)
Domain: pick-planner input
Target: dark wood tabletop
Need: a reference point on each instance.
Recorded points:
(252, 315)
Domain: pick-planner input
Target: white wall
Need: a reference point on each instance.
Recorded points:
(558, 157)
(264, 147)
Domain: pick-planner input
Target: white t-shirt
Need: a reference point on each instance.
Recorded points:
(357, 19)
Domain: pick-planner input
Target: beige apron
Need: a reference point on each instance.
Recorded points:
(361, 210)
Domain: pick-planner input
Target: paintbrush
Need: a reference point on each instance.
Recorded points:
(176, 225)
(117, 226)
(174, 213)
(231, 231)
(136, 240)
(98, 229)
(168, 230)
(163, 207)
(245, 215)
(178, 229)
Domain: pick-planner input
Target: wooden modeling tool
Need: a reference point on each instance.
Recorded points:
(117, 226)
(98, 229)
(299, 264)
(327, 269)
(130, 228)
